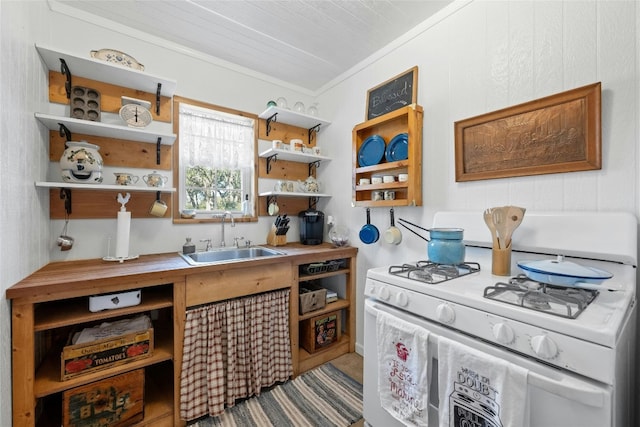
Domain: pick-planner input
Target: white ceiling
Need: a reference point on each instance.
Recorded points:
(305, 43)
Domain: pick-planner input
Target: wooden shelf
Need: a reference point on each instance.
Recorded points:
(104, 71)
(62, 313)
(77, 126)
(48, 381)
(332, 306)
(309, 361)
(308, 277)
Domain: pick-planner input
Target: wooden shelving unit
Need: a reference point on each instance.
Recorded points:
(303, 360)
(408, 193)
(279, 123)
(147, 148)
(56, 316)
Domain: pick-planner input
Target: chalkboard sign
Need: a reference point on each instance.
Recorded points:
(395, 93)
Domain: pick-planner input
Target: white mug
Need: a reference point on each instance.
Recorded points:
(388, 178)
(376, 180)
(403, 177)
(365, 181)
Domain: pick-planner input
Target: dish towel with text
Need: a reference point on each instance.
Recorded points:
(402, 369)
(478, 389)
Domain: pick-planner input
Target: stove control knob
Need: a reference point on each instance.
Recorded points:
(401, 299)
(445, 313)
(503, 333)
(544, 346)
(384, 293)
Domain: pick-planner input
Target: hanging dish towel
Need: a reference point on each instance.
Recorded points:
(402, 369)
(478, 389)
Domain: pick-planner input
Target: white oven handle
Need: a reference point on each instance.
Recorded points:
(566, 386)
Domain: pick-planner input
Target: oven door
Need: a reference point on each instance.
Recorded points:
(556, 398)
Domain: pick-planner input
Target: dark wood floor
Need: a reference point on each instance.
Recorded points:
(351, 364)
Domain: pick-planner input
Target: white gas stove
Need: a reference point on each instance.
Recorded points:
(588, 333)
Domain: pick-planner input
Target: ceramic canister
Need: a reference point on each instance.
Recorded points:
(446, 246)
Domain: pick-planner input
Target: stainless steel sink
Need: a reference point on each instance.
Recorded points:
(228, 254)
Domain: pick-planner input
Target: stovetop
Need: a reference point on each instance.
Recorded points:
(519, 290)
(598, 322)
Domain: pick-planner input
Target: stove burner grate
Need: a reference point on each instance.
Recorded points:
(433, 273)
(560, 301)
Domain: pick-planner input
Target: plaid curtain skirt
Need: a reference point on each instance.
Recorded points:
(232, 350)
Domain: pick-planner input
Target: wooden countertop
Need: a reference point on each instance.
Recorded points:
(63, 279)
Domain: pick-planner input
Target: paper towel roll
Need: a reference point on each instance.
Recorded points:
(122, 236)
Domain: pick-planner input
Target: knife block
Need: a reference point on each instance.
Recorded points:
(275, 240)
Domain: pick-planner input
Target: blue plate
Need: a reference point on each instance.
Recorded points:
(398, 148)
(371, 151)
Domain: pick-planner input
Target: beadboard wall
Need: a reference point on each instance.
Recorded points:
(480, 56)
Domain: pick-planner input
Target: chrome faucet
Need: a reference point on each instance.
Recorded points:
(208, 247)
(233, 224)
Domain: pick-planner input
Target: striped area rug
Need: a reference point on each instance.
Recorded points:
(322, 397)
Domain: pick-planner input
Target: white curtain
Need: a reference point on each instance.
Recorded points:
(215, 139)
(232, 350)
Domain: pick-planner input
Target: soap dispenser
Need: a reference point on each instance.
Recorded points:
(189, 247)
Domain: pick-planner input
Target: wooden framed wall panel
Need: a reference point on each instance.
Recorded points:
(558, 133)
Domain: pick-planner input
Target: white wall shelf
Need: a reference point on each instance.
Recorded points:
(123, 188)
(104, 129)
(292, 194)
(283, 115)
(293, 156)
(106, 72)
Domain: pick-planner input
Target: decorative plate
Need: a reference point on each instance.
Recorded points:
(398, 148)
(117, 57)
(371, 151)
(135, 115)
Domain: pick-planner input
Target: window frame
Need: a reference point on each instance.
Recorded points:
(177, 219)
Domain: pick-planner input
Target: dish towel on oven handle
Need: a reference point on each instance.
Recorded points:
(477, 389)
(402, 369)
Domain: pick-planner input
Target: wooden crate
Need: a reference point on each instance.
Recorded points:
(312, 297)
(320, 332)
(116, 401)
(80, 359)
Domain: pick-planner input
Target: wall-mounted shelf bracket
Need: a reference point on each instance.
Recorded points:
(270, 159)
(312, 132)
(158, 143)
(313, 165)
(273, 118)
(64, 69)
(64, 131)
(158, 98)
(65, 194)
(313, 202)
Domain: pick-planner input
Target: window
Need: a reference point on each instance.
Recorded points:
(215, 159)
